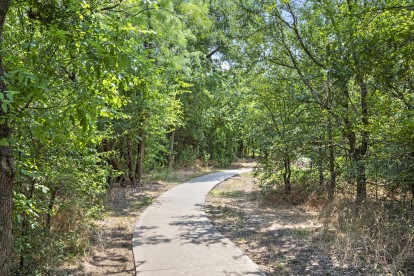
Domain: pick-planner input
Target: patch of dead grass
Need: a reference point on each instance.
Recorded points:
(304, 234)
(284, 236)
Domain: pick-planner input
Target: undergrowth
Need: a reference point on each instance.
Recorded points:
(376, 236)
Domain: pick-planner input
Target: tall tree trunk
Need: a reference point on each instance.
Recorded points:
(320, 165)
(357, 153)
(332, 173)
(6, 169)
(171, 154)
(241, 149)
(361, 181)
(130, 160)
(286, 174)
(253, 153)
(141, 148)
(6, 201)
(362, 150)
(50, 208)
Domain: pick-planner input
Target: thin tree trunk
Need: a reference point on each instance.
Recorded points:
(362, 151)
(241, 149)
(24, 240)
(287, 174)
(50, 208)
(320, 165)
(332, 173)
(130, 160)
(171, 154)
(141, 148)
(6, 170)
(253, 153)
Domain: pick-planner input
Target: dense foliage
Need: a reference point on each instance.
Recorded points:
(96, 93)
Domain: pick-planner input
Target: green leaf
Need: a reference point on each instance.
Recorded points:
(42, 188)
(9, 95)
(4, 142)
(4, 106)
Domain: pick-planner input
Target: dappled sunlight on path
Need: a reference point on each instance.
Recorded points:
(174, 236)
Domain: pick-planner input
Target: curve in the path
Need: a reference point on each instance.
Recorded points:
(174, 237)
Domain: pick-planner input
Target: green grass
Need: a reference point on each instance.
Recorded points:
(161, 174)
(227, 193)
(301, 232)
(164, 174)
(143, 202)
(281, 266)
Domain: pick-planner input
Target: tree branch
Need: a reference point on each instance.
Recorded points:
(300, 39)
(213, 52)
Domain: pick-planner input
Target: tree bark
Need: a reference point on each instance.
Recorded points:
(361, 182)
(287, 174)
(141, 149)
(6, 202)
(130, 160)
(357, 153)
(50, 208)
(362, 150)
(171, 154)
(6, 169)
(320, 165)
(332, 173)
(241, 149)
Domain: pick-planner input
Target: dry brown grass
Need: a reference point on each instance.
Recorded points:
(377, 235)
(304, 234)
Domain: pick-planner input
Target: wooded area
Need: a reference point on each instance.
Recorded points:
(97, 93)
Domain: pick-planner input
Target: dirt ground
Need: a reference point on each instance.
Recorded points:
(111, 250)
(281, 239)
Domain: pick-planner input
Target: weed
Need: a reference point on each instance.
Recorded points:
(227, 193)
(143, 202)
(301, 232)
(281, 266)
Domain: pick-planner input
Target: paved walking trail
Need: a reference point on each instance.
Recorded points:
(174, 237)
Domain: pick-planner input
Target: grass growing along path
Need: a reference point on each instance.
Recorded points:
(108, 247)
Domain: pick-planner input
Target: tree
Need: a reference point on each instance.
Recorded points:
(323, 45)
(6, 163)
(52, 95)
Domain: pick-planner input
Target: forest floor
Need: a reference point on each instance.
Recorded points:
(283, 239)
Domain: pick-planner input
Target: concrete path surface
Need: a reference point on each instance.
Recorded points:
(174, 237)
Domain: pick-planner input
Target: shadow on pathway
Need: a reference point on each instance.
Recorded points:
(174, 237)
